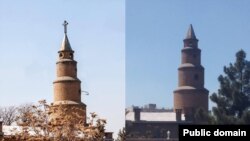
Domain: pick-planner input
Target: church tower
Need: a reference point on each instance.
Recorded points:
(190, 93)
(67, 87)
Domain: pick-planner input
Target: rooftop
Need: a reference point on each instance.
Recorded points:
(154, 116)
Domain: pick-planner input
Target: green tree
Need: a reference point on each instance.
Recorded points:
(233, 96)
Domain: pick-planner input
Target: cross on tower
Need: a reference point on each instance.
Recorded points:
(65, 23)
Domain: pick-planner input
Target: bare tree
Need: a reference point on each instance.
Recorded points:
(8, 114)
(24, 108)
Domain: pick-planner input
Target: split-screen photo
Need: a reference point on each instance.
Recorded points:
(124, 70)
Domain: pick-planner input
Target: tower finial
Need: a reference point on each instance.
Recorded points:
(190, 33)
(65, 23)
(65, 44)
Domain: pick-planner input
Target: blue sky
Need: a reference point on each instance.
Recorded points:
(155, 30)
(31, 33)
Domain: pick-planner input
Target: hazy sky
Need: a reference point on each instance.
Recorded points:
(31, 33)
(155, 30)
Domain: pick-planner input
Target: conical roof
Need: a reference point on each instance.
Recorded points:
(190, 33)
(65, 44)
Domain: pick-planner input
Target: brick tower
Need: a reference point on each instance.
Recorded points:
(67, 87)
(190, 93)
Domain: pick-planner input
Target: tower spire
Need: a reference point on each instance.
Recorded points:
(190, 33)
(191, 40)
(65, 44)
